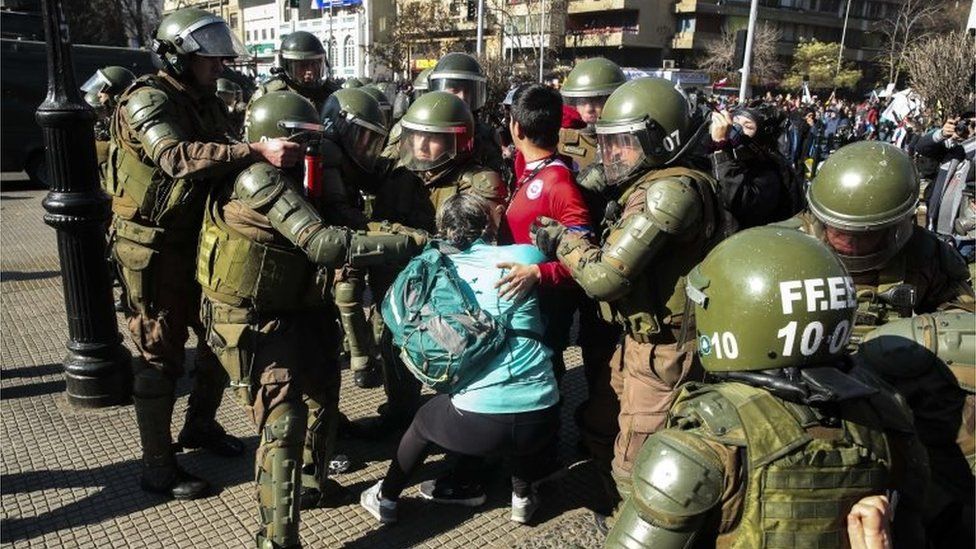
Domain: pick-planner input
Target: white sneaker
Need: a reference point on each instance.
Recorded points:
(524, 508)
(383, 509)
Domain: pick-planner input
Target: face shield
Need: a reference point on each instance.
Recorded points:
(621, 152)
(473, 90)
(93, 88)
(306, 72)
(364, 142)
(424, 150)
(868, 250)
(589, 108)
(211, 37)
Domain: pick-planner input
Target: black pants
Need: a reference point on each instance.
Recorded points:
(523, 437)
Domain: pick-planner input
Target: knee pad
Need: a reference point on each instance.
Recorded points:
(285, 425)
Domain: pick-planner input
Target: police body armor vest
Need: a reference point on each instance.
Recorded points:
(799, 488)
(266, 278)
(652, 311)
(579, 145)
(151, 208)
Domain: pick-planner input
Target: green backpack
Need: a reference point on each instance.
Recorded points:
(444, 336)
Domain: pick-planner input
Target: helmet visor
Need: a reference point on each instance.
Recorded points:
(868, 250)
(471, 90)
(589, 108)
(422, 151)
(621, 153)
(96, 83)
(212, 38)
(306, 72)
(364, 144)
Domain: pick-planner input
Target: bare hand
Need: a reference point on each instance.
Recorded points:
(518, 281)
(868, 524)
(949, 128)
(719, 128)
(278, 152)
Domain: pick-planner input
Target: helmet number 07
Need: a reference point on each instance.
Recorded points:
(813, 337)
(673, 141)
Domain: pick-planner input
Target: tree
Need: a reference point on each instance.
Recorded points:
(416, 25)
(912, 22)
(113, 22)
(940, 69)
(719, 56)
(818, 61)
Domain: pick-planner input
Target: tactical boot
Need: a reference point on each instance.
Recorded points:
(153, 400)
(367, 378)
(328, 495)
(262, 542)
(201, 430)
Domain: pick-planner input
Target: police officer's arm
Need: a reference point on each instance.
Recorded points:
(669, 209)
(169, 144)
(679, 481)
(266, 190)
(951, 289)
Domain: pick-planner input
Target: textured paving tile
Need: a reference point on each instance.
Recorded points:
(68, 478)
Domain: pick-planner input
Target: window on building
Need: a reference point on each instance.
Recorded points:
(829, 6)
(247, 36)
(264, 34)
(333, 53)
(455, 7)
(233, 21)
(348, 52)
(686, 24)
(272, 34)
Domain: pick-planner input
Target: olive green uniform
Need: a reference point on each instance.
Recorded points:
(317, 95)
(748, 469)
(579, 145)
(168, 148)
(265, 262)
(933, 268)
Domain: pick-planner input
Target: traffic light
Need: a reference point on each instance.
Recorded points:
(472, 10)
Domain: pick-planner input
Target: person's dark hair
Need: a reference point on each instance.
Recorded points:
(463, 219)
(538, 110)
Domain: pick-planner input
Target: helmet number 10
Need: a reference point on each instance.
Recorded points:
(724, 345)
(812, 337)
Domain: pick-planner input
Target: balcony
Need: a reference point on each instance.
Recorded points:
(602, 38)
(586, 6)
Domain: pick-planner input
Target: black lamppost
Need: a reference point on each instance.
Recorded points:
(96, 368)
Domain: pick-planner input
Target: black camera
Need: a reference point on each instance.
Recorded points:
(963, 127)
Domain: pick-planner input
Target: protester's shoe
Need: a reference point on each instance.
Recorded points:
(381, 508)
(170, 480)
(445, 490)
(210, 436)
(524, 508)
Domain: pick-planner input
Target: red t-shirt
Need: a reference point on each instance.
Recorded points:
(552, 192)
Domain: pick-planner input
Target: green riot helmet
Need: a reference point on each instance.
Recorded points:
(437, 128)
(769, 298)
(644, 124)
(385, 106)
(302, 60)
(352, 83)
(354, 118)
(589, 84)
(229, 92)
(865, 194)
(460, 74)
(194, 31)
(366, 80)
(280, 114)
(110, 81)
(421, 84)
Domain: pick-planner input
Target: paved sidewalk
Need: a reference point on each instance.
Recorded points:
(69, 477)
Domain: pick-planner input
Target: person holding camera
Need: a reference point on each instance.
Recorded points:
(757, 183)
(951, 200)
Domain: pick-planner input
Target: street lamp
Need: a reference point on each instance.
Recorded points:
(96, 368)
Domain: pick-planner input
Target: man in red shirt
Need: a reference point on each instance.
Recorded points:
(546, 187)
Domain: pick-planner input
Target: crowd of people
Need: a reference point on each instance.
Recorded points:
(777, 337)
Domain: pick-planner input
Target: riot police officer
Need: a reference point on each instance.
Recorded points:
(386, 107)
(862, 204)
(436, 162)
(169, 144)
(391, 153)
(929, 360)
(302, 67)
(665, 218)
(586, 89)
(232, 95)
(351, 83)
(265, 263)
(354, 136)
(791, 432)
(102, 91)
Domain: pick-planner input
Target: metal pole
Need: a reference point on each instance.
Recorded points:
(481, 26)
(744, 88)
(96, 367)
(542, 15)
(843, 37)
